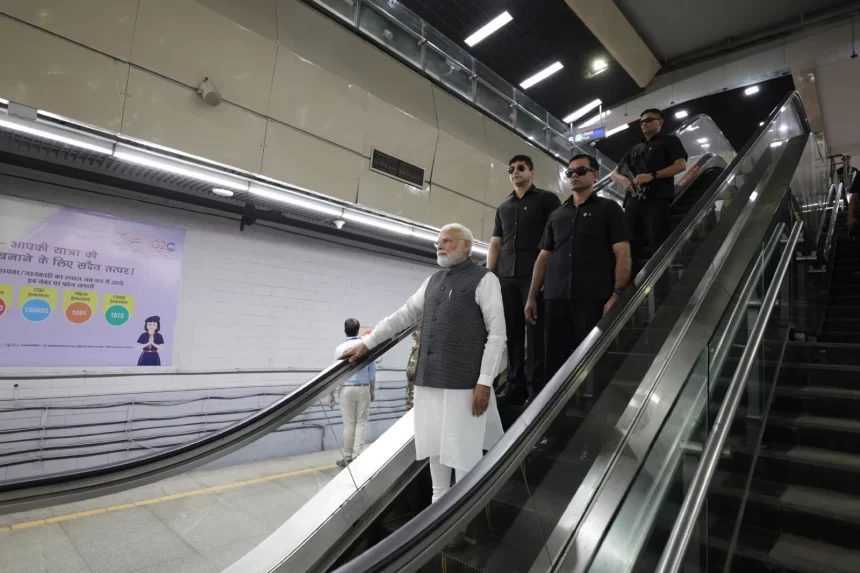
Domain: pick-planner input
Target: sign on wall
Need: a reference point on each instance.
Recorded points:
(86, 289)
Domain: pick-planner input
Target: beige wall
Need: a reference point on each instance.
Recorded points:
(305, 100)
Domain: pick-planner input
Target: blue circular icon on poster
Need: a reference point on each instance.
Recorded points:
(36, 310)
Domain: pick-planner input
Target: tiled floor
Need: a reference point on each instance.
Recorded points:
(201, 532)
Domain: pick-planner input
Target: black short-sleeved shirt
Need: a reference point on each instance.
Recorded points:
(581, 263)
(650, 156)
(520, 224)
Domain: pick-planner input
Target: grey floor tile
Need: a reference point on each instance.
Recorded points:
(207, 521)
(243, 472)
(178, 484)
(124, 541)
(191, 564)
(267, 501)
(306, 485)
(24, 516)
(223, 557)
(316, 459)
(42, 549)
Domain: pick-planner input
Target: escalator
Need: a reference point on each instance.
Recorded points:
(558, 490)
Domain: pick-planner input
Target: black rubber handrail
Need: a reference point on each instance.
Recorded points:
(424, 535)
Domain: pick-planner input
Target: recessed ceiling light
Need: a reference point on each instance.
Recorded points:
(595, 119)
(751, 90)
(618, 129)
(776, 144)
(582, 111)
(493, 26)
(222, 192)
(542, 75)
(783, 128)
(599, 65)
(703, 140)
(681, 114)
(761, 123)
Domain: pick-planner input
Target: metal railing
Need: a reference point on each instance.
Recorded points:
(673, 554)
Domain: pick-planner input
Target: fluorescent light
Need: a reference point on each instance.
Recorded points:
(599, 65)
(706, 145)
(761, 123)
(594, 119)
(493, 26)
(703, 140)
(296, 200)
(542, 75)
(377, 222)
(681, 114)
(618, 129)
(222, 192)
(776, 144)
(751, 90)
(753, 195)
(179, 168)
(56, 134)
(582, 111)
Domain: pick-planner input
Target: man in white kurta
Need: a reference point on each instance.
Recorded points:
(453, 425)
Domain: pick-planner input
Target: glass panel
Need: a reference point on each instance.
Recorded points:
(495, 104)
(492, 79)
(449, 72)
(345, 10)
(703, 136)
(202, 519)
(532, 128)
(560, 146)
(401, 34)
(448, 48)
(527, 104)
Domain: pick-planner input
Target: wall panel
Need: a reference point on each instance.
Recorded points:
(461, 168)
(169, 114)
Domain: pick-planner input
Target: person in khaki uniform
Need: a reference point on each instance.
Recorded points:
(411, 368)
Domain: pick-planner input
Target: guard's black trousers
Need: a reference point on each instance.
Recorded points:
(568, 322)
(648, 220)
(525, 341)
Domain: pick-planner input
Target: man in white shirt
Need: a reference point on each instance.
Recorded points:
(462, 342)
(356, 394)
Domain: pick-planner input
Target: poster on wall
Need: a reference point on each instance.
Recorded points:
(86, 289)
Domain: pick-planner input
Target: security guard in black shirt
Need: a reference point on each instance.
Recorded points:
(653, 164)
(520, 221)
(583, 266)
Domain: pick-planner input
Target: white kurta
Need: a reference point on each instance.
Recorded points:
(444, 424)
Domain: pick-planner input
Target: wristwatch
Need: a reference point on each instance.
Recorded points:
(654, 174)
(617, 291)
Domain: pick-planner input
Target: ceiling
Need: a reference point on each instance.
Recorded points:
(542, 32)
(675, 28)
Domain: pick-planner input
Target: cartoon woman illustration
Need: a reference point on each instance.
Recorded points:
(150, 341)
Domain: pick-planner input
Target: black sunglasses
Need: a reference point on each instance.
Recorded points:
(519, 168)
(579, 171)
(648, 120)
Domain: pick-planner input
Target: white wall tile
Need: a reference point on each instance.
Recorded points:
(47, 72)
(460, 120)
(449, 207)
(104, 25)
(392, 196)
(166, 113)
(258, 16)
(499, 184)
(489, 224)
(310, 162)
(504, 144)
(188, 42)
(400, 134)
(315, 100)
(461, 168)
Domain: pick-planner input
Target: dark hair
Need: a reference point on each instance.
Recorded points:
(592, 162)
(524, 159)
(351, 326)
(156, 320)
(653, 110)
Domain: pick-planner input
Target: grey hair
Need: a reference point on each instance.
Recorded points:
(465, 233)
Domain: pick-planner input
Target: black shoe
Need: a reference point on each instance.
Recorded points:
(344, 462)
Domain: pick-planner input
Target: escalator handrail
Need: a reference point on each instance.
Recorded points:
(424, 535)
(682, 531)
(32, 493)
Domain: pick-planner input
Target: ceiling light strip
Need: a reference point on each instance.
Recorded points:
(618, 129)
(582, 111)
(294, 199)
(595, 119)
(542, 75)
(90, 143)
(493, 26)
(177, 167)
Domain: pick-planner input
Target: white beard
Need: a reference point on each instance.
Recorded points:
(446, 260)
